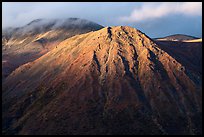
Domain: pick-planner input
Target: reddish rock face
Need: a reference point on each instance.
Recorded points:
(112, 81)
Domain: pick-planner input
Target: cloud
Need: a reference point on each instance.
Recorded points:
(19, 14)
(155, 19)
(158, 10)
(16, 14)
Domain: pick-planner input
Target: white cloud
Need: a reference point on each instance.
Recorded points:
(157, 10)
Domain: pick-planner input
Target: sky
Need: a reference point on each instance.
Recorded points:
(156, 19)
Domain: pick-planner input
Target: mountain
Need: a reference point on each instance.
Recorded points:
(115, 80)
(27, 43)
(178, 37)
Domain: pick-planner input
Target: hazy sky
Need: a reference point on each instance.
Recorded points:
(155, 19)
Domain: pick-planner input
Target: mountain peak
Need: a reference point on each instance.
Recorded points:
(35, 21)
(110, 80)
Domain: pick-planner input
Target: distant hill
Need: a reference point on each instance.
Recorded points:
(177, 37)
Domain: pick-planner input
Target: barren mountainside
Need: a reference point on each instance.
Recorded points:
(115, 80)
(27, 43)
